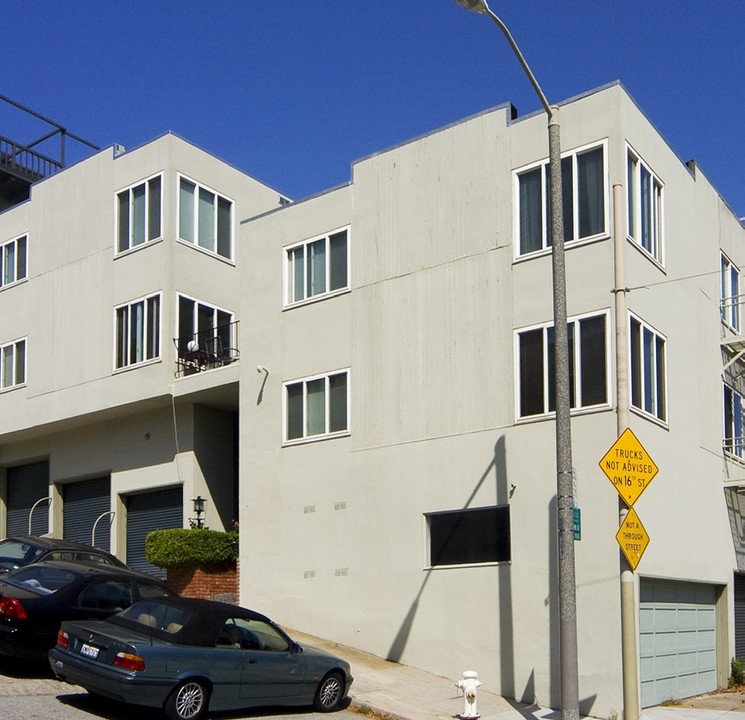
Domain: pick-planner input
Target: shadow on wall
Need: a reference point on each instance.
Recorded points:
(496, 469)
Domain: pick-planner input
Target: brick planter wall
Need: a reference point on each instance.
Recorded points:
(215, 581)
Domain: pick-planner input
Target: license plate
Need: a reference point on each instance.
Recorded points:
(89, 651)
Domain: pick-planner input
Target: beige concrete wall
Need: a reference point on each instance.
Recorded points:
(336, 529)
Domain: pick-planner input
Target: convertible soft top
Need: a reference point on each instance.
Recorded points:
(186, 621)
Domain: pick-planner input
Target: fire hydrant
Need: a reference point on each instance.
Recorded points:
(469, 684)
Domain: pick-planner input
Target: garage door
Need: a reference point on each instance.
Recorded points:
(83, 503)
(147, 512)
(27, 484)
(677, 640)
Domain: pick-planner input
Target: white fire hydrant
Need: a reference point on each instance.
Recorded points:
(469, 684)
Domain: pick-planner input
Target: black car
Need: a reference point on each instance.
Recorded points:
(19, 550)
(191, 656)
(35, 599)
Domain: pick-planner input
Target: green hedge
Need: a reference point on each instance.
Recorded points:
(177, 547)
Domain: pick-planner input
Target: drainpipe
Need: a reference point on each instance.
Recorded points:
(628, 582)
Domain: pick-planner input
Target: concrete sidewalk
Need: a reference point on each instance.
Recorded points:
(405, 693)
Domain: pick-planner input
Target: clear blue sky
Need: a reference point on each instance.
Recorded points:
(293, 91)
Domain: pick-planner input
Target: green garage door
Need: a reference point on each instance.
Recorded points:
(677, 640)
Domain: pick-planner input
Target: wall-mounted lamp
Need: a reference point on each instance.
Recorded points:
(261, 369)
(199, 502)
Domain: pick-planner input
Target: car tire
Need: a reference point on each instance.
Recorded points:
(187, 701)
(330, 693)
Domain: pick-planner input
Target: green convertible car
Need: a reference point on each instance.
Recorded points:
(186, 655)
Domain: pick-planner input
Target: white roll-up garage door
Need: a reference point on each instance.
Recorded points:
(677, 640)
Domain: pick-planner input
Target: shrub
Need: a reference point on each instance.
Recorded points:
(177, 547)
(738, 672)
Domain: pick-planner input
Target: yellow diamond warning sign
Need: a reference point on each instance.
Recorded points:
(633, 538)
(628, 466)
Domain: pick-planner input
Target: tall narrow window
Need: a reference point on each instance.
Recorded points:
(645, 207)
(317, 267)
(583, 196)
(13, 261)
(139, 214)
(138, 332)
(12, 364)
(205, 219)
(588, 366)
(734, 421)
(316, 407)
(730, 293)
(648, 368)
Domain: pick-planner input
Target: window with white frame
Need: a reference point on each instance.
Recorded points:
(645, 206)
(205, 218)
(734, 415)
(13, 261)
(137, 332)
(730, 293)
(648, 369)
(13, 364)
(317, 267)
(206, 325)
(317, 406)
(139, 214)
(584, 200)
(588, 366)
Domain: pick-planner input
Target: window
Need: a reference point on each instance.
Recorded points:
(317, 267)
(211, 328)
(205, 219)
(139, 214)
(583, 194)
(13, 364)
(730, 294)
(588, 366)
(734, 414)
(644, 200)
(13, 261)
(472, 536)
(316, 407)
(648, 392)
(138, 332)
(252, 634)
(111, 595)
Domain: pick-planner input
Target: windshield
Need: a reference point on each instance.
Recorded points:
(14, 553)
(40, 579)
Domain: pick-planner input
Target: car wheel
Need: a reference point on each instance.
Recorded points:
(330, 693)
(188, 701)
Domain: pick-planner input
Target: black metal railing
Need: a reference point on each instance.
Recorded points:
(207, 349)
(23, 162)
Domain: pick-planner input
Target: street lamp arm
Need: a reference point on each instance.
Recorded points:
(481, 6)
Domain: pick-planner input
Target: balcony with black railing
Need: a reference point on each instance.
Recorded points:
(207, 349)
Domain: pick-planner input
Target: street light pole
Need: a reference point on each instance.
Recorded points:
(564, 488)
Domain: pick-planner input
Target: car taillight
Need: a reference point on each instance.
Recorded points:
(127, 661)
(12, 608)
(63, 639)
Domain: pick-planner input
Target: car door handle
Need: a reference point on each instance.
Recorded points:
(250, 661)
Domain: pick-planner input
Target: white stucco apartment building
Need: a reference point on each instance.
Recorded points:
(376, 405)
